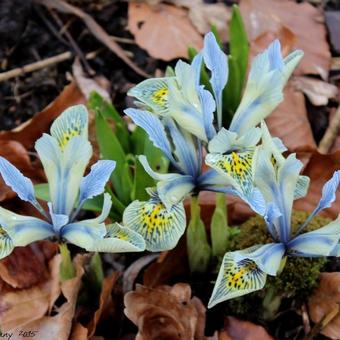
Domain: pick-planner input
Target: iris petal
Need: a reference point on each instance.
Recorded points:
(236, 278)
(160, 227)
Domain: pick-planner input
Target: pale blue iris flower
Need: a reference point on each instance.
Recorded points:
(65, 155)
(161, 220)
(233, 152)
(245, 271)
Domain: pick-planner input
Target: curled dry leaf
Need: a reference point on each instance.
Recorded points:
(317, 91)
(21, 306)
(235, 329)
(165, 313)
(174, 33)
(87, 85)
(324, 300)
(320, 169)
(203, 16)
(169, 266)
(30, 131)
(58, 326)
(290, 122)
(268, 18)
(27, 266)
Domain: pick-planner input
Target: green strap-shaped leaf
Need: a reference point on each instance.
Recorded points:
(108, 111)
(110, 148)
(238, 61)
(219, 227)
(199, 250)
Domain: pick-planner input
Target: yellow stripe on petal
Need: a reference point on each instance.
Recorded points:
(160, 227)
(153, 93)
(71, 123)
(237, 165)
(236, 278)
(6, 244)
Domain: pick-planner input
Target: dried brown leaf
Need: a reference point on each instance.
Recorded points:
(203, 16)
(27, 266)
(20, 307)
(269, 17)
(324, 300)
(165, 312)
(290, 122)
(59, 326)
(320, 169)
(317, 91)
(174, 31)
(169, 265)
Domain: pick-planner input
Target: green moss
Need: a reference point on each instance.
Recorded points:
(297, 280)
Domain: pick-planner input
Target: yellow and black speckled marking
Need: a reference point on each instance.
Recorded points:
(160, 227)
(236, 165)
(241, 275)
(72, 123)
(153, 93)
(160, 97)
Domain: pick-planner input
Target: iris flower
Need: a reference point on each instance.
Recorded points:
(178, 115)
(233, 151)
(245, 271)
(65, 155)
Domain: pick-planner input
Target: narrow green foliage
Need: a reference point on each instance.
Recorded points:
(219, 227)
(108, 111)
(96, 272)
(110, 148)
(67, 270)
(199, 251)
(141, 181)
(238, 61)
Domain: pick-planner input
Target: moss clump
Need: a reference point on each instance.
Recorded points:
(297, 280)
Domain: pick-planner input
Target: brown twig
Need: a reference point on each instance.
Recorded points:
(76, 48)
(331, 133)
(38, 65)
(95, 29)
(323, 323)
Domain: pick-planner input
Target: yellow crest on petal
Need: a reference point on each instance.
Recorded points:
(236, 278)
(238, 165)
(160, 227)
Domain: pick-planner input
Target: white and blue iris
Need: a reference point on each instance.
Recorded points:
(178, 115)
(65, 155)
(245, 271)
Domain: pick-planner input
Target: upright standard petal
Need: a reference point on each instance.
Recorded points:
(185, 149)
(23, 230)
(64, 169)
(160, 227)
(153, 93)
(320, 242)
(236, 278)
(71, 123)
(94, 183)
(153, 127)
(217, 62)
(22, 185)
